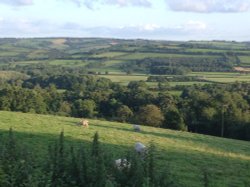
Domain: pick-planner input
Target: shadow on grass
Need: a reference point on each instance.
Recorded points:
(39, 142)
(186, 166)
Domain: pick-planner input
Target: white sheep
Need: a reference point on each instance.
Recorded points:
(137, 128)
(84, 123)
(122, 163)
(140, 148)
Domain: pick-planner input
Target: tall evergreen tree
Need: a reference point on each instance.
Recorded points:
(82, 167)
(98, 163)
(58, 162)
(95, 146)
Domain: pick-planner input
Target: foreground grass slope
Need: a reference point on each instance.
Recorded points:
(186, 154)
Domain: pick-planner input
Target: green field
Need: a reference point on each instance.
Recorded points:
(222, 77)
(109, 55)
(219, 77)
(125, 79)
(245, 60)
(67, 62)
(111, 63)
(132, 56)
(187, 154)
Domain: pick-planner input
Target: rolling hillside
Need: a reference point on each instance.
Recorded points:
(186, 154)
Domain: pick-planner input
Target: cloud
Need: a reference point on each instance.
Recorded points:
(21, 27)
(194, 26)
(151, 30)
(150, 27)
(144, 3)
(190, 30)
(209, 6)
(121, 3)
(17, 2)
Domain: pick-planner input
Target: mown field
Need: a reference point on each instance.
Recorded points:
(209, 77)
(186, 154)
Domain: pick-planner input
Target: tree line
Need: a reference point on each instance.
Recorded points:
(182, 65)
(215, 109)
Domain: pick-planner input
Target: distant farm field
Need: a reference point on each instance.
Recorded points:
(245, 60)
(222, 77)
(161, 55)
(109, 55)
(125, 79)
(67, 62)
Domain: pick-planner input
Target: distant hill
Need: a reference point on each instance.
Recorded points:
(186, 154)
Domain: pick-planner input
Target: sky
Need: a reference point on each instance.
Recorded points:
(128, 19)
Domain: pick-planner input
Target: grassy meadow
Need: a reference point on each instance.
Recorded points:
(186, 154)
(125, 79)
(222, 77)
(210, 77)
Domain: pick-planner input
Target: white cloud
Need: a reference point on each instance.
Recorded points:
(149, 27)
(209, 6)
(145, 3)
(21, 27)
(194, 26)
(121, 3)
(17, 2)
(191, 30)
(152, 31)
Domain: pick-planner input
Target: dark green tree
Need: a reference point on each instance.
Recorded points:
(58, 163)
(85, 108)
(149, 115)
(174, 120)
(98, 170)
(124, 113)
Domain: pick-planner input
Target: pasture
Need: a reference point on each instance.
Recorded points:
(125, 79)
(186, 154)
(210, 77)
(222, 77)
(136, 55)
(245, 60)
(109, 55)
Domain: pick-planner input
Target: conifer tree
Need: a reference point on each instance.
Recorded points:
(82, 167)
(73, 169)
(2, 177)
(136, 176)
(100, 172)
(95, 146)
(98, 163)
(10, 157)
(109, 184)
(58, 162)
(16, 163)
(151, 163)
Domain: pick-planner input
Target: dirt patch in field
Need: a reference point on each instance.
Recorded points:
(242, 69)
(59, 42)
